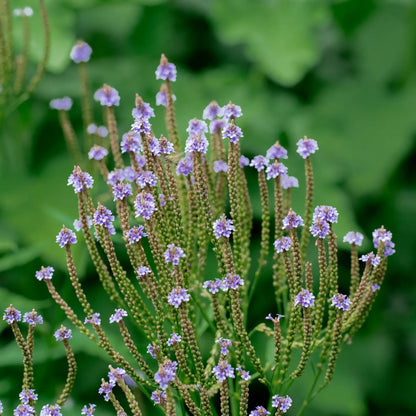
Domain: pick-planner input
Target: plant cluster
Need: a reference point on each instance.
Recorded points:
(176, 209)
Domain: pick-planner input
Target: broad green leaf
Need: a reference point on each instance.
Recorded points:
(280, 37)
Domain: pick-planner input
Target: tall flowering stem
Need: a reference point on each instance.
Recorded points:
(112, 129)
(72, 371)
(308, 206)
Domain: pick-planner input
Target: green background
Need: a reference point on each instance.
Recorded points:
(341, 72)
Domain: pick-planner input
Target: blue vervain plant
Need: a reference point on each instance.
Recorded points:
(191, 204)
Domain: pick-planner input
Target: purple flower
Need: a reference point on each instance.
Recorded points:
(232, 111)
(153, 350)
(51, 410)
(102, 131)
(232, 133)
(105, 389)
(81, 181)
(319, 228)
(244, 161)
(370, 257)
(223, 370)
(144, 205)
(45, 273)
(62, 333)
(131, 142)
(159, 396)
(166, 70)
(91, 128)
(154, 146)
(142, 271)
(122, 191)
(196, 143)
(292, 221)
(24, 410)
(104, 218)
(26, 395)
(141, 160)
(32, 318)
(245, 375)
(173, 254)
(213, 286)
(166, 373)
(116, 175)
(341, 301)
(107, 96)
(142, 110)
(381, 234)
(177, 296)
(135, 234)
(289, 182)
(93, 319)
(353, 238)
(12, 315)
(141, 126)
(223, 227)
(78, 223)
(276, 169)
(305, 299)
(282, 244)
(97, 152)
(282, 403)
(274, 320)
(64, 104)
(325, 213)
(260, 411)
(276, 152)
(216, 126)
(81, 52)
(259, 162)
(166, 147)
(220, 166)
(88, 411)
(184, 166)
(196, 127)
(306, 147)
(212, 110)
(146, 178)
(232, 281)
(162, 200)
(375, 287)
(116, 374)
(173, 339)
(117, 316)
(162, 98)
(224, 344)
(66, 237)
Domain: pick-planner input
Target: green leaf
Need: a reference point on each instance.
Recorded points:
(279, 36)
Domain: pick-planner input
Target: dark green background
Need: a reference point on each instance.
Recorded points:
(341, 72)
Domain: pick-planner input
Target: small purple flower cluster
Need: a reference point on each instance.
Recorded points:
(231, 281)
(224, 344)
(107, 96)
(32, 318)
(63, 333)
(166, 374)
(353, 238)
(341, 301)
(66, 237)
(51, 410)
(25, 396)
(283, 244)
(292, 221)
(173, 254)
(282, 403)
(223, 370)
(118, 315)
(384, 236)
(223, 227)
(306, 147)
(45, 273)
(93, 319)
(104, 218)
(305, 299)
(259, 411)
(177, 296)
(135, 234)
(145, 205)
(81, 181)
(174, 338)
(323, 216)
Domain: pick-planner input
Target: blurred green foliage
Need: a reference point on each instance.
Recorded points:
(341, 72)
